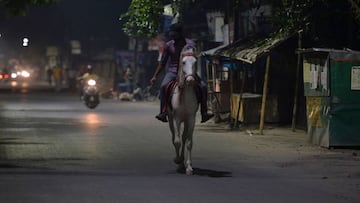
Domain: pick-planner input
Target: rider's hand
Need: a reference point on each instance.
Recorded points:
(152, 80)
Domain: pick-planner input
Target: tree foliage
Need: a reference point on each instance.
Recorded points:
(355, 6)
(295, 14)
(20, 7)
(327, 23)
(143, 18)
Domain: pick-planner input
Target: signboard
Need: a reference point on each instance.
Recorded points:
(355, 78)
(52, 51)
(215, 21)
(316, 77)
(219, 25)
(75, 47)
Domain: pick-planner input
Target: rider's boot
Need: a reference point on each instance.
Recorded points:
(205, 116)
(162, 116)
(202, 97)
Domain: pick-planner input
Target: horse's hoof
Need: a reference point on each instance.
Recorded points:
(189, 172)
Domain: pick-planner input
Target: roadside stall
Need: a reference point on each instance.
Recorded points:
(260, 77)
(263, 79)
(226, 80)
(215, 71)
(332, 89)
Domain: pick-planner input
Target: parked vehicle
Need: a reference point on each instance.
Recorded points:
(138, 94)
(20, 75)
(151, 93)
(4, 77)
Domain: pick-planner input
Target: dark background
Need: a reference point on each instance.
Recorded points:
(86, 20)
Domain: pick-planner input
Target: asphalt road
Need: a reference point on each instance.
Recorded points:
(54, 149)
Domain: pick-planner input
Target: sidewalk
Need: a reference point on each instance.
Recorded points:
(281, 147)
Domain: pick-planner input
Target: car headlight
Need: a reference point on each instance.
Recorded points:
(25, 74)
(91, 82)
(14, 75)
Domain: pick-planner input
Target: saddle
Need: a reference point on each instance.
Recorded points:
(169, 91)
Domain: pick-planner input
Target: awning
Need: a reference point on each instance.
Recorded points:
(212, 51)
(251, 49)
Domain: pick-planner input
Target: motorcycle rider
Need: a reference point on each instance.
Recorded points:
(172, 51)
(89, 74)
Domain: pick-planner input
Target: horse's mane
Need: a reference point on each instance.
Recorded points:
(188, 50)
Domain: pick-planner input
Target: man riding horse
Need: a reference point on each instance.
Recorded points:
(172, 51)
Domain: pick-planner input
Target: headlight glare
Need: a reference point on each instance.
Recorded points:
(91, 82)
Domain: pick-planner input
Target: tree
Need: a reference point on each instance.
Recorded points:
(326, 23)
(20, 7)
(355, 5)
(143, 18)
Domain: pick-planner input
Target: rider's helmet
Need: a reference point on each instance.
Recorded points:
(89, 69)
(175, 30)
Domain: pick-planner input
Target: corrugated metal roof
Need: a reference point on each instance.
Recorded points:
(212, 51)
(251, 49)
(250, 55)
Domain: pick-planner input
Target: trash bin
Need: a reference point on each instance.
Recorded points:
(332, 90)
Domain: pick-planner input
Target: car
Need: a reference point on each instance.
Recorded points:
(4, 75)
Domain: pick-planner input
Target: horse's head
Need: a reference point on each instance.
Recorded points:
(187, 68)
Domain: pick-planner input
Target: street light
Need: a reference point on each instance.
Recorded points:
(25, 42)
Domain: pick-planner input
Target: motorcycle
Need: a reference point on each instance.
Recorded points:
(91, 95)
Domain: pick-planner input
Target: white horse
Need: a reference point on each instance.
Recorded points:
(182, 112)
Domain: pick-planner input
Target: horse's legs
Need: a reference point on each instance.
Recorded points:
(171, 126)
(188, 145)
(173, 135)
(183, 140)
(176, 141)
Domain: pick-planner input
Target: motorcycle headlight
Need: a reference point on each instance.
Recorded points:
(91, 82)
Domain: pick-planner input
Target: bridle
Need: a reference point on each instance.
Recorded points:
(185, 52)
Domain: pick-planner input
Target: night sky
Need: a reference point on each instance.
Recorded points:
(70, 20)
